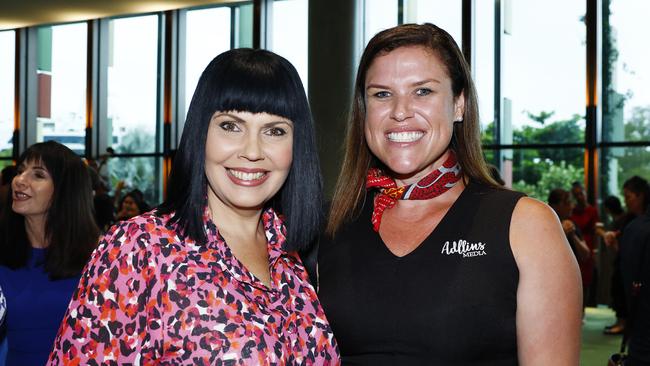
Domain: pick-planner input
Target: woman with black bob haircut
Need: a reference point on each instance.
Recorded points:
(213, 274)
(243, 85)
(47, 235)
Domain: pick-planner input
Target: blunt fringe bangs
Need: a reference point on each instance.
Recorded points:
(255, 81)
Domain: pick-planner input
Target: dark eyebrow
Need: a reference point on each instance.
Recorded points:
(228, 115)
(426, 81)
(417, 83)
(376, 86)
(33, 167)
(275, 123)
(38, 167)
(268, 124)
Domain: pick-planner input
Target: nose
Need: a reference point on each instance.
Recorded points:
(18, 181)
(401, 109)
(252, 148)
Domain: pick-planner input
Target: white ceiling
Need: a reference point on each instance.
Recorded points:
(23, 13)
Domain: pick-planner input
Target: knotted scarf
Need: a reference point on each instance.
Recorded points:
(432, 185)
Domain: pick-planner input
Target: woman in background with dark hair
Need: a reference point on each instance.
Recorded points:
(132, 204)
(213, 276)
(47, 235)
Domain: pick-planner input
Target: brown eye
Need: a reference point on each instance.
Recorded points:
(276, 131)
(229, 126)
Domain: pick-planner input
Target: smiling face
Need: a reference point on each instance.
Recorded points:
(410, 111)
(247, 158)
(32, 188)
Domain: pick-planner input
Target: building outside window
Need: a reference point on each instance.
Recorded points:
(61, 83)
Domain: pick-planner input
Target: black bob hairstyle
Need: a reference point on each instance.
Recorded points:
(255, 81)
(70, 227)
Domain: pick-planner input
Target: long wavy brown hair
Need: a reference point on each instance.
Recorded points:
(349, 192)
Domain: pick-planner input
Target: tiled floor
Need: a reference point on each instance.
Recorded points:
(596, 346)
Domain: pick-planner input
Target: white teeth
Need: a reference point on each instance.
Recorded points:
(21, 195)
(405, 136)
(246, 176)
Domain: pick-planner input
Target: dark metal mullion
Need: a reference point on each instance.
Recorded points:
(400, 11)
(497, 81)
(19, 88)
(233, 27)
(466, 24)
(260, 17)
(161, 85)
(92, 77)
(100, 127)
(591, 117)
(29, 94)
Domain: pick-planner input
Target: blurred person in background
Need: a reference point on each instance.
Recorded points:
(560, 201)
(132, 204)
(635, 270)
(619, 220)
(47, 233)
(6, 176)
(103, 202)
(585, 217)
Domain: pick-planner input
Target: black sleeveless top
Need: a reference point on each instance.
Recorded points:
(451, 301)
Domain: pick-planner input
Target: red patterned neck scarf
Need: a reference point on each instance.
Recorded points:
(432, 185)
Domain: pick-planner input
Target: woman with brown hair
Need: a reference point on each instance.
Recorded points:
(427, 260)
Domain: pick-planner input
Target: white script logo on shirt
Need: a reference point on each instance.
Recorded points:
(464, 248)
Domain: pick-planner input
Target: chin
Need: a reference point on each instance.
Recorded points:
(403, 168)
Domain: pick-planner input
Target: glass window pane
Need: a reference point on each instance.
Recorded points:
(483, 67)
(445, 14)
(132, 84)
(378, 15)
(289, 34)
(537, 171)
(244, 26)
(7, 77)
(626, 116)
(61, 75)
(620, 163)
(207, 35)
(543, 68)
(138, 173)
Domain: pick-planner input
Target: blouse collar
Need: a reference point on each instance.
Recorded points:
(275, 236)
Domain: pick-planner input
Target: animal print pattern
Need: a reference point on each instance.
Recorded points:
(150, 296)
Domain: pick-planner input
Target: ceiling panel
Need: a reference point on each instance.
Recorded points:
(23, 13)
